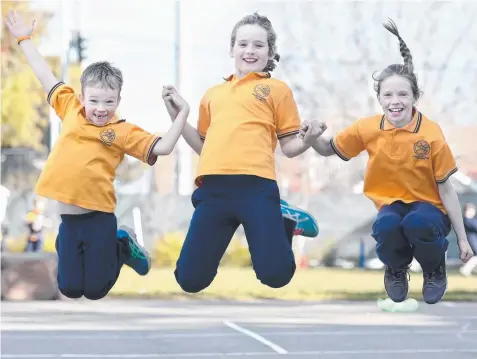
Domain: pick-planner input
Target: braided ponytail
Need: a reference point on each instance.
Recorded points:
(405, 52)
(406, 70)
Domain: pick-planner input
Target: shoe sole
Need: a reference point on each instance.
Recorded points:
(437, 301)
(396, 301)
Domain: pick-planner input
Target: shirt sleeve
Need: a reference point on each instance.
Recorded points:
(203, 123)
(287, 118)
(140, 143)
(443, 161)
(348, 143)
(62, 98)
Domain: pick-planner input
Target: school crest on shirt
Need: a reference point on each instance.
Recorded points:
(422, 150)
(261, 92)
(107, 136)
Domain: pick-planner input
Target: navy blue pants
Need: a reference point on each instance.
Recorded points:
(35, 246)
(222, 203)
(90, 255)
(403, 231)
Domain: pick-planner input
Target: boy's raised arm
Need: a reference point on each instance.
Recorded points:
(22, 32)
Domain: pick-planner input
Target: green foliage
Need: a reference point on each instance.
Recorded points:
(237, 254)
(167, 249)
(24, 117)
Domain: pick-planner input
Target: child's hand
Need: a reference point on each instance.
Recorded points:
(311, 130)
(171, 95)
(304, 127)
(322, 127)
(172, 109)
(180, 103)
(17, 25)
(465, 250)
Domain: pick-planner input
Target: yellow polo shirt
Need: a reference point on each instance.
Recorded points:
(80, 169)
(240, 121)
(404, 163)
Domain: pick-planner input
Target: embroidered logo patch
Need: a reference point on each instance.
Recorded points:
(261, 92)
(422, 150)
(107, 136)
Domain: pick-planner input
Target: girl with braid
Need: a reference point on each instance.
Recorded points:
(407, 178)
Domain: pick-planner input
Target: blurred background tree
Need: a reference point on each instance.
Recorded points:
(25, 112)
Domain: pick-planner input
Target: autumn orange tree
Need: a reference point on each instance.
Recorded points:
(24, 109)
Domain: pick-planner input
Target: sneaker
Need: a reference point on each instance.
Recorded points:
(435, 285)
(139, 260)
(306, 223)
(396, 282)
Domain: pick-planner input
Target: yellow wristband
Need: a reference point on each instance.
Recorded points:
(22, 38)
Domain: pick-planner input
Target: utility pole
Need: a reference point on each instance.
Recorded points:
(177, 81)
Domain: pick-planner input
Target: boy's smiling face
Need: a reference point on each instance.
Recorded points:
(100, 104)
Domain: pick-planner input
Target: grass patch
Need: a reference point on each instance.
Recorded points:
(310, 284)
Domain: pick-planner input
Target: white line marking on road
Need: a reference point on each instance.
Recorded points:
(255, 336)
(464, 330)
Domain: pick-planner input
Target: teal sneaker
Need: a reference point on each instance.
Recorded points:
(306, 223)
(139, 260)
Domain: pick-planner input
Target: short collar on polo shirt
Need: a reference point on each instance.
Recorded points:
(233, 78)
(412, 126)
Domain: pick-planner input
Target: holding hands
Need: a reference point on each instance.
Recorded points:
(465, 250)
(311, 130)
(174, 102)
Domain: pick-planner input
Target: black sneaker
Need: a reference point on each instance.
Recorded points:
(435, 285)
(396, 282)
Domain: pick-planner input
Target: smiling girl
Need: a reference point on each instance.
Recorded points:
(406, 177)
(240, 122)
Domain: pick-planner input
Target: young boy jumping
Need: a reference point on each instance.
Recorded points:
(80, 171)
